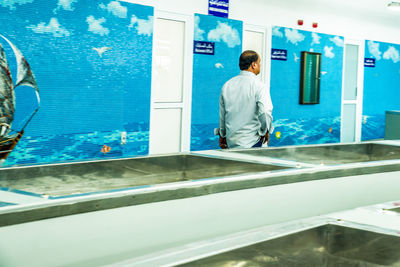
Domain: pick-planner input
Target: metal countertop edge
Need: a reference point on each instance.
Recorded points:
(71, 206)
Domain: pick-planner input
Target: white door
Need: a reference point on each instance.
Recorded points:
(353, 73)
(171, 83)
(254, 38)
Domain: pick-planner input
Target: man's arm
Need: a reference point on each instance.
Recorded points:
(266, 125)
(266, 138)
(264, 106)
(222, 129)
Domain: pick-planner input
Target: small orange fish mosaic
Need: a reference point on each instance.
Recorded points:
(105, 149)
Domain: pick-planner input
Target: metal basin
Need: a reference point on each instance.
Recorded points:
(66, 179)
(328, 245)
(330, 154)
(395, 210)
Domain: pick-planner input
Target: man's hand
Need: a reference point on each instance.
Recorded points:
(222, 143)
(266, 138)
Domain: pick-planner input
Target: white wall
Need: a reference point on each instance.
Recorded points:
(355, 19)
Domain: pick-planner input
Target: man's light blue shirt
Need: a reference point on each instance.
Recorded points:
(245, 110)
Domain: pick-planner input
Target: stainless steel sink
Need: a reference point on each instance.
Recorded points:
(327, 245)
(395, 210)
(330, 154)
(66, 179)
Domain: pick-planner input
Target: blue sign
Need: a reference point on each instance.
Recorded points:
(279, 54)
(206, 48)
(369, 62)
(218, 8)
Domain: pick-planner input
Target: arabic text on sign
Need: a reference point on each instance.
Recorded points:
(218, 10)
(279, 54)
(219, 3)
(369, 62)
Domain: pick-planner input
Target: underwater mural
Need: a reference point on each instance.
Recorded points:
(381, 87)
(218, 45)
(92, 63)
(297, 124)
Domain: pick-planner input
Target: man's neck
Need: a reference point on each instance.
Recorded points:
(249, 70)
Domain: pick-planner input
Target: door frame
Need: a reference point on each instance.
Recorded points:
(358, 102)
(185, 104)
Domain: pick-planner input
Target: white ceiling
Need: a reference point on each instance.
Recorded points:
(375, 11)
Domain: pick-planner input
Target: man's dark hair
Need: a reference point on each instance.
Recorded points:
(246, 58)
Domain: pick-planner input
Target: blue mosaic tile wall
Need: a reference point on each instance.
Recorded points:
(92, 62)
(381, 87)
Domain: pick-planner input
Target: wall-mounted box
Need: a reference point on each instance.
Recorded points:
(310, 76)
(392, 128)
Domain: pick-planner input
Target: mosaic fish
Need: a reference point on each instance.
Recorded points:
(105, 149)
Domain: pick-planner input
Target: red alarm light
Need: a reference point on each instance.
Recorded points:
(315, 25)
(300, 22)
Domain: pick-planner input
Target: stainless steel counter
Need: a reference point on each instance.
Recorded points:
(367, 236)
(96, 176)
(328, 154)
(149, 206)
(327, 245)
(100, 185)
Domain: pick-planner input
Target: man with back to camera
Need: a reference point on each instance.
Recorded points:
(245, 107)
